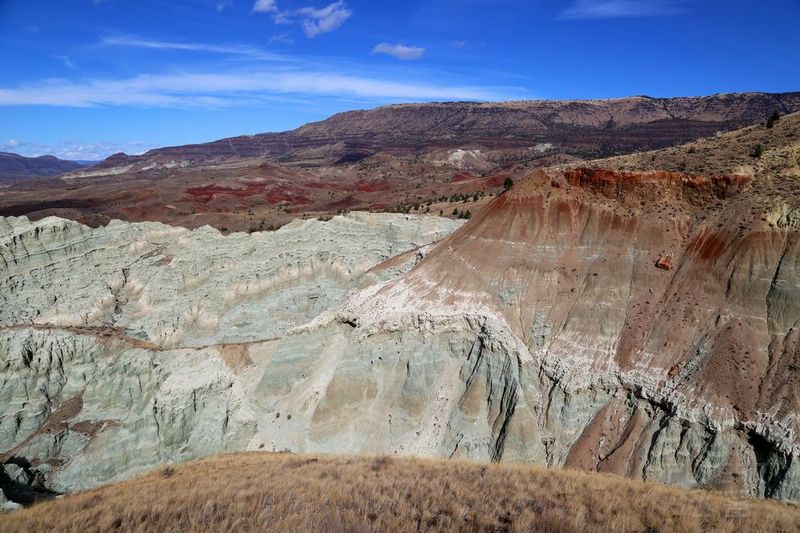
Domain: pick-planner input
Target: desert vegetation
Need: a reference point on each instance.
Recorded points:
(286, 492)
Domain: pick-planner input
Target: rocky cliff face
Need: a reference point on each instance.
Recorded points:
(127, 346)
(637, 324)
(642, 323)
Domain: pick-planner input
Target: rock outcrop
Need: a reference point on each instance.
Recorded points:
(131, 345)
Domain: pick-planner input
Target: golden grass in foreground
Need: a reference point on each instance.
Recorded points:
(259, 491)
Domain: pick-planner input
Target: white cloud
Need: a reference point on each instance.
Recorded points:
(265, 6)
(314, 21)
(596, 9)
(399, 51)
(233, 49)
(11, 143)
(222, 5)
(203, 90)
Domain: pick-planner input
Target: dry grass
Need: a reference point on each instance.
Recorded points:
(260, 491)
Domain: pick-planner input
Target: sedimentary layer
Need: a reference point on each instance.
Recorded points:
(644, 324)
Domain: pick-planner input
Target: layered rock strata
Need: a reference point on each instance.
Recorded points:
(543, 330)
(127, 346)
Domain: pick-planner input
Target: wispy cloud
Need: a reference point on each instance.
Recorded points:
(314, 21)
(201, 90)
(599, 9)
(281, 38)
(399, 51)
(66, 60)
(250, 52)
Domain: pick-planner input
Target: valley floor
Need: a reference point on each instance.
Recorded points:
(287, 492)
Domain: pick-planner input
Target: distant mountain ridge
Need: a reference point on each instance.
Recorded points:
(15, 166)
(582, 128)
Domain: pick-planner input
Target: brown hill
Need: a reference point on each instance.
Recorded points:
(583, 128)
(14, 166)
(260, 491)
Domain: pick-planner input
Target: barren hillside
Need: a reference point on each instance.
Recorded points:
(755, 150)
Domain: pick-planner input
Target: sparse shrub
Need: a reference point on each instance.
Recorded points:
(507, 184)
(757, 151)
(167, 471)
(773, 118)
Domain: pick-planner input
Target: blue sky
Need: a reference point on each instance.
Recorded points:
(82, 79)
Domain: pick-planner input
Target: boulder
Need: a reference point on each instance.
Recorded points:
(664, 263)
(17, 474)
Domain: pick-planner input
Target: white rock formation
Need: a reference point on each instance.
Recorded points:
(130, 345)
